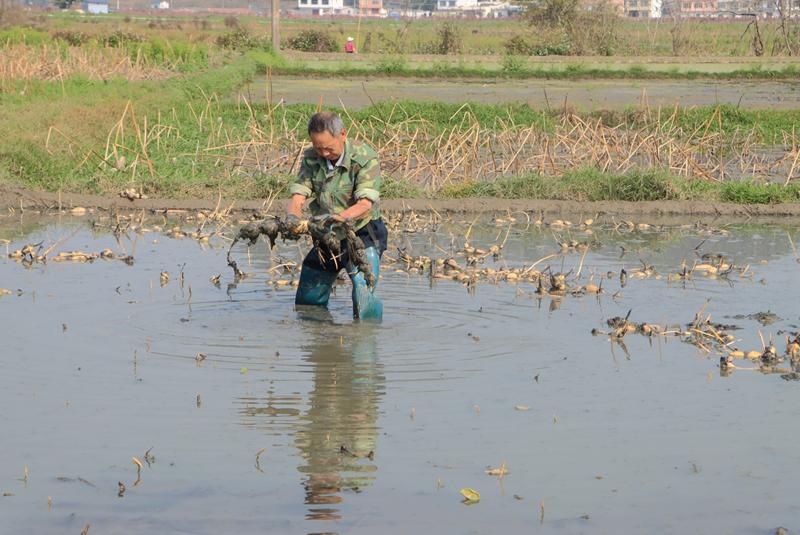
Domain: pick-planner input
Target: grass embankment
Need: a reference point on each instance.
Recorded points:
(177, 137)
(513, 67)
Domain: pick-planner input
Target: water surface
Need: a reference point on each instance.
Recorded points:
(375, 428)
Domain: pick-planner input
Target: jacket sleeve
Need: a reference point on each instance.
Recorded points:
(302, 184)
(368, 181)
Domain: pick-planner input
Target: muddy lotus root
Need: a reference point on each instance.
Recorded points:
(322, 235)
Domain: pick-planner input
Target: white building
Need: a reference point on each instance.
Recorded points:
(478, 8)
(460, 5)
(95, 7)
(643, 9)
(320, 7)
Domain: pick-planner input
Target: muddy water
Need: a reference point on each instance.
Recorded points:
(582, 94)
(98, 364)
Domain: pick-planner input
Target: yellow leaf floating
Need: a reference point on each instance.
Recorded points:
(470, 495)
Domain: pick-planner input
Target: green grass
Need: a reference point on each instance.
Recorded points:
(397, 66)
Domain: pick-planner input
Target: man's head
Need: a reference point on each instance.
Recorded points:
(327, 134)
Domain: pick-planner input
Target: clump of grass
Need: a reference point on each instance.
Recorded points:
(393, 64)
(749, 192)
(587, 184)
(635, 186)
(400, 189)
(24, 36)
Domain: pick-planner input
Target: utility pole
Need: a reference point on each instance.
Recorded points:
(275, 6)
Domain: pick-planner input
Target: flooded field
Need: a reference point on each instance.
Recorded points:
(582, 94)
(142, 394)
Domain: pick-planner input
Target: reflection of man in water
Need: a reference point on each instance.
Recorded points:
(338, 438)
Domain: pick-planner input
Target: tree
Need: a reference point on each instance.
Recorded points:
(561, 13)
(583, 30)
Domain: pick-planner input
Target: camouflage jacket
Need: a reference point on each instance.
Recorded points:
(358, 176)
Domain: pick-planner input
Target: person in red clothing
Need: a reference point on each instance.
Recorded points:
(350, 46)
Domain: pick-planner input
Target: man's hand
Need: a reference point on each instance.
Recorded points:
(291, 222)
(335, 218)
(356, 211)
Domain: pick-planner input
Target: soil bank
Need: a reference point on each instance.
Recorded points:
(13, 198)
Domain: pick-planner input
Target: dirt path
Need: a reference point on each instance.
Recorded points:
(18, 199)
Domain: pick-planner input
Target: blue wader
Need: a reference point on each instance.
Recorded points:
(320, 271)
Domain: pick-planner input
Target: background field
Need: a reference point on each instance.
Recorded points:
(189, 106)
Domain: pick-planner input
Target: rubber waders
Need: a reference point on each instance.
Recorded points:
(315, 287)
(366, 306)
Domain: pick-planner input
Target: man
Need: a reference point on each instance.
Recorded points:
(344, 179)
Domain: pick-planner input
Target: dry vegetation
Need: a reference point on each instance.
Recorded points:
(424, 155)
(51, 62)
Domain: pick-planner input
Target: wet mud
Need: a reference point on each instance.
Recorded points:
(17, 200)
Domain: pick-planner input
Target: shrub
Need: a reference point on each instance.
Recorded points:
(513, 64)
(392, 64)
(120, 38)
(72, 38)
(518, 46)
(312, 41)
(241, 39)
(586, 30)
(448, 39)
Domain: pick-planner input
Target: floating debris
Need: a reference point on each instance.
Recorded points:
(470, 496)
(764, 318)
(131, 193)
(500, 472)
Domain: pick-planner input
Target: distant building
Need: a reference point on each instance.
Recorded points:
(643, 9)
(772, 8)
(95, 7)
(369, 7)
(730, 8)
(692, 8)
(320, 7)
(475, 8)
(456, 5)
(616, 5)
(163, 4)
